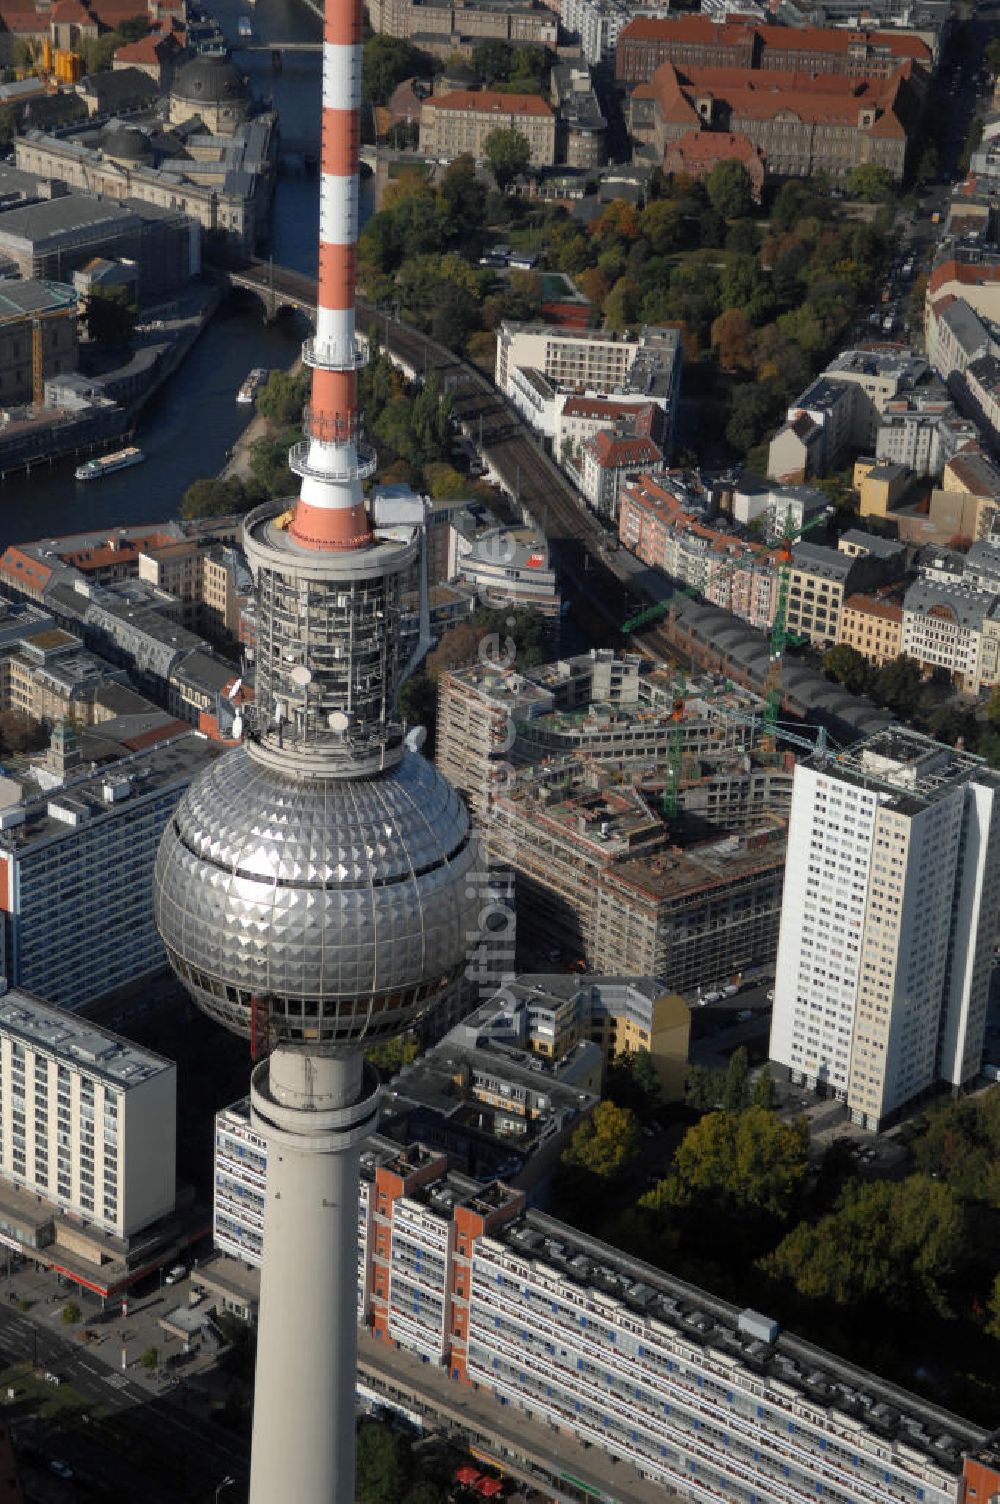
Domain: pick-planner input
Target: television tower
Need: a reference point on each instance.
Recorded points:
(317, 889)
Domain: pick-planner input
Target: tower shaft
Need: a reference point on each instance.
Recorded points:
(331, 512)
(315, 1112)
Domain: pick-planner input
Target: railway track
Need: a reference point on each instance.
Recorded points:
(600, 594)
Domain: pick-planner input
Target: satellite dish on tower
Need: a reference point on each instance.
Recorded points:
(300, 676)
(337, 720)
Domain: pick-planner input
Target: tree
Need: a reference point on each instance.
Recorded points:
(632, 1081)
(493, 60)
(895, 1244)
(418, 703)
(110, 318)
(702, 1088)
(381, 1464)
(753, 409)
(508, 155)
(763, 1090)
(732, 337)
(849, 668)
(20, 732)
(992, 1327)
(898, 685)
(213, 498)
(605, 1142)
(870, 182)
(386, 62)
(734, 1085)
(662, 226)
(961, 1146)
(740, 1162)
(150, 1359)
(729, 189)
(621, 306)
(71, 1313)
(284, 396)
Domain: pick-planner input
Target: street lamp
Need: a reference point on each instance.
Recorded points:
(224, 1484)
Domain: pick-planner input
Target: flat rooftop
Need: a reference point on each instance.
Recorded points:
(56, 814)
(704, 1321)
(678, 875)
(899, 762)
(78, 1043)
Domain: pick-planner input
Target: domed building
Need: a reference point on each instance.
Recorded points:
(125, 144)
(214, 89)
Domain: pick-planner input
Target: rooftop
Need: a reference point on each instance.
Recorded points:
(112, 791)
(95, 1051)
(909, 770)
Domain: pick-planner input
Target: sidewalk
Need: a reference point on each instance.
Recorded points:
(104, 1333)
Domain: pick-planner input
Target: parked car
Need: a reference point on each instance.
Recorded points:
(176, 1273)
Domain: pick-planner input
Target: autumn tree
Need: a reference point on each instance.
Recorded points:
(732, 337)
(738, 1162)
(605, 1142)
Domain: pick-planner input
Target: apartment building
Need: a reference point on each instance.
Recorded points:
(87, 1119)
(610, 461)
(818, 581)
(452, 124)
(550, 1015)
(888, 922)
(76, 872)
(702, 42)
(593, 363)
(707, 1401)
(954, 628)
(922, 430)
(448, 28)
(210, 577)
(596, 877)
(669, 529)
(50, 676)
(801, 122)
(872, 626)
(598, 24)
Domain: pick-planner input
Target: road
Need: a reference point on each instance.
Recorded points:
(152, 1425)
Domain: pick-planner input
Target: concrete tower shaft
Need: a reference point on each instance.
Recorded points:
(331, 462)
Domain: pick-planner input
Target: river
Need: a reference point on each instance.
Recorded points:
(188, 427)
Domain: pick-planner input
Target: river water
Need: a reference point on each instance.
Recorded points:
(188, 427)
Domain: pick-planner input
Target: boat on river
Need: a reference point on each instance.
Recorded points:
(109, 463)
(252, 385)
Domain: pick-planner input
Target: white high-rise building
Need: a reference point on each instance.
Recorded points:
(889, 915)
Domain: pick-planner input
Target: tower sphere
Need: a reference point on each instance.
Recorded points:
(344, 902)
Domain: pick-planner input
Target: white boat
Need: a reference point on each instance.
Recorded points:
(252, 385)
(120, 460)
(244, 29)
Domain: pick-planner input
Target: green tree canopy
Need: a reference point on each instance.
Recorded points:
(493, 60)
(508, 155)
(110, 318)
(729, 189)
(605, 1142)
(382, 1464)
(850, 668)
(386, 61)
(749, 1162)
(961, 1145)
(213, 498)
(870, 182)
(735, 1082)
(284, 396)
(896, 1243)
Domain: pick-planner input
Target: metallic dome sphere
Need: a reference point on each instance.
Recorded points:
(346, 904)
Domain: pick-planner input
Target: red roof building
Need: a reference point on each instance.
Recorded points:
(697, 152)
(608, 461)
(648, 42)
(451, 124)
(800, 123)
